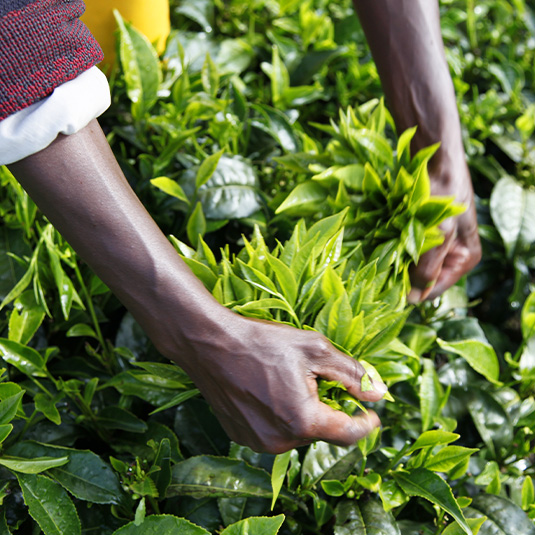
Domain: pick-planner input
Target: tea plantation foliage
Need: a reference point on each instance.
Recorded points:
(261, 145)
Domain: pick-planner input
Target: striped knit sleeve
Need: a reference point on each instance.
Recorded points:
(43, 44)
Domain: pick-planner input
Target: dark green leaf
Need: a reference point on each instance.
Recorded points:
(426, 484)
(502, 514)
(366, 517)
(162, 525)
(49, 505)
(118, 418)
(206, 476)
(326, 461)
(85, 475)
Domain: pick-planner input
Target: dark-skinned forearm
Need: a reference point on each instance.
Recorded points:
(406, 43)
(80, 187)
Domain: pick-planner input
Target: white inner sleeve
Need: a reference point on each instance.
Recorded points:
(71, 107)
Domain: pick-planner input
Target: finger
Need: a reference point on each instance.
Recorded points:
(335, 366)
(340, 429)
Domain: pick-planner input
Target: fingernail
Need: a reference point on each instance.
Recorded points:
(415, 296)
(380, 387)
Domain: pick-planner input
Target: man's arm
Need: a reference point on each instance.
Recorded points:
(259, 377)
(406, 43)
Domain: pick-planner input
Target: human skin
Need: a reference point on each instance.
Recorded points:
(259, 377)
(406, 43)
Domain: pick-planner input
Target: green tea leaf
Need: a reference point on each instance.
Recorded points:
(44, 404)
(49, 505)
(32, 466)
(511, 208)
(426, 484)
(448, 457)
(196, 225)
(9, 407)
(528, 493)
(481, 357)
(326, 461)
(26, 318)
(161, 525)
(84, 474)
(430, 394)
(367, 517)
(210, 76)
(255, 526)
(280, 467)
(142, 71)
(305, 195)
(433, 438)
(24, 358)
(501, 515)
(491, 420)
(171, 187)
(455, 529)
(206, 476)
(207, 169)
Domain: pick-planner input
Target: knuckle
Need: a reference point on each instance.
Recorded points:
(321, 346)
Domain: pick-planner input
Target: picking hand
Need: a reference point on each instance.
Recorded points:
(260, 380)
(443, 266)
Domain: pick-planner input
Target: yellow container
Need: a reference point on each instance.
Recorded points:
(149, 17)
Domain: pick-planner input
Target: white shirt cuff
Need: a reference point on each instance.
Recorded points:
(71, 107)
